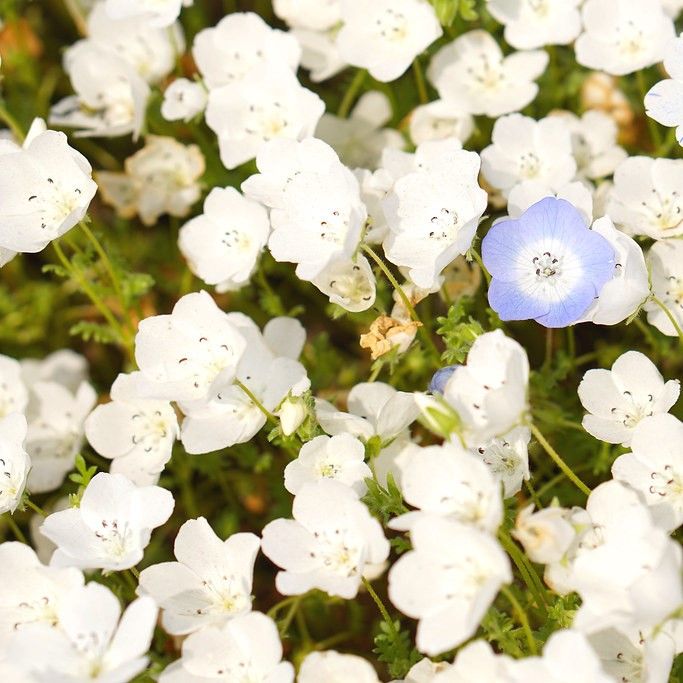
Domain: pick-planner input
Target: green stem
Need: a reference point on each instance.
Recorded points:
(272, 612)
(521, 617)
(30, 504)
(252, 397)
(420, 81)
(669, 315)
(284, 625)
(477, 257)
(19, 534)
(558, 460)
(351, 93)
(105, 262)
(134, 571)
(76, 14)
(527, 572)
(12, 123)
(655, 134)
(380, 605)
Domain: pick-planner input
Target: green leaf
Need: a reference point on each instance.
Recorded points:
(393, 646)
(384, 503)
(459, 331)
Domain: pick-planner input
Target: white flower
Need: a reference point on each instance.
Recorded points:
(425, 671)
(474, 662)
(65, 367)
(158, 13)
(671, 7)
(46, 186)
(331, 543)
(209, 584)
(664, 101)
(546, 535)
(617, 400)
(111, 527)
(189, 354)
(448, 481)
(621, 296)
(472, 73)
(387, 35)
(240, 42)
(340, 457)
(507, 458)
(14, 461)
(183, 100)
(334, 667)
(137, 434)
(594, 143)
(525, 149)
(375, 410)
(433, 212)
(247, 648)
(447, 581)
(359, 140)
(316, 210)
(292, 413)
(223, 244)
(320, 54)
(440, 120)
(270, 104)
(31, 592)
(349, 283)
(13, 391)
(91, 642)
(269, 371)
(534, 23)
(524, 195)
(150, 50)
(665, 260)
(55, 431)
(162, 177)
(647, 197)
(655, 468)
(316, 15)
(489, 392)
(622, 36)
(567, 657)
(111, 97)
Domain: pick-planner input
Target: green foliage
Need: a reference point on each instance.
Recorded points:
(81, 477)
(458, 330)
(448, 10)
(384, 503)
(97, 332)
(393, 646)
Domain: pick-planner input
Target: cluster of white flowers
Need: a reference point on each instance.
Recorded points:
(591, 235)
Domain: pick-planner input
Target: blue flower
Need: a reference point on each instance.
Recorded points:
(440, 379)
(547, 265)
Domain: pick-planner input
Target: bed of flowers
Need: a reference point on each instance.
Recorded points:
(340, 341)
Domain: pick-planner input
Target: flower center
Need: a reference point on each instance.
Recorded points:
(352, 285)
(667, 483)
(266, 122)
(529, 165)
(444, 225)
(392, 25)
(54, 204)
(664, 211)
(487, 73)
(635, 411)
(546, 266)
(337, 552)
(630, 39)
(149, 429)
(334, 227)
(116, 538)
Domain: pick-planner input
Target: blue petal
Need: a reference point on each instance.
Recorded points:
(510, 302)
(440, 379)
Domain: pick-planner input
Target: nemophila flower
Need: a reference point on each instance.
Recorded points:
(320, 53)
(14, 461)
(440, 120)
(340, 457)
(335, 667)
(31, 593)
(65, 367)
(245, 650)
(94, 641)
(527, 193)
(332, 542)
(349, 283)
(137, 434)
(473, 73)
(150, 50)
(270, 104)
(665, 261)
(209, 584)
(546, 534)
(270, 372)
(111, 96)
(189, 354)
(425, 671)
(664, 101)
(433, 211)
(360, 139)
(654, 467)
(222, 245)
(567, 657)
(448, 481)
(13, 391)
(375, 409)
(647, 198)
(317, 214)
(155, 12)
(47, 188)
(617, 400)
(229, 52)
(316, 15)
(594, 143)
(55, 431)
(447, 581)
(183, 100)
(622, 36)
(386, 36)
(547, 265)
(534, 23)
(475, 661)
(524, 149)
(507, 458)
(112, 526)
(162, 177)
